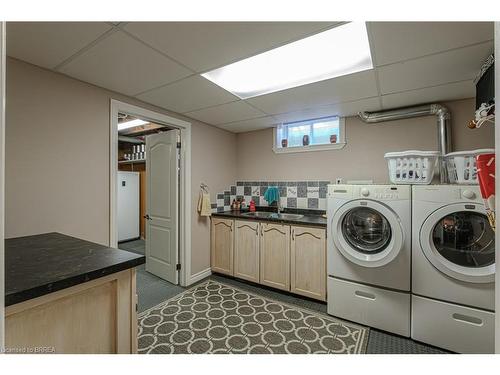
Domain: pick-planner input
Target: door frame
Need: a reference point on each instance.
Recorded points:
(116, 107)
(2, 182)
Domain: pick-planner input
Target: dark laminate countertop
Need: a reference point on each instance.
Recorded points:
(44, 263)
(308, 218)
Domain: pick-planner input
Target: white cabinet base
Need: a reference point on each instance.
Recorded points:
(457, 328)
(375, 307)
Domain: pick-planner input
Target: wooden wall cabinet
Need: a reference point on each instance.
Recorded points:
(275, 255)
(308, 262)
(246, 250)
(222, 243)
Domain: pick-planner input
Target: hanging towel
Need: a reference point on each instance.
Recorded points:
(204, 206)
(272, 194)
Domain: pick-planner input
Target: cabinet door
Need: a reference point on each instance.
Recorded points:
(308, 262)
(246, 250)
(222, 246)
(275, 255)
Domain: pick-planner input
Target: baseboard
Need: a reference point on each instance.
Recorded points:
(199, 276)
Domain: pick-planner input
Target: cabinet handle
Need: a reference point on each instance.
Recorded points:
(262, 229)
(293, 234)
(467, 319)
(257, 230)
(361, 294)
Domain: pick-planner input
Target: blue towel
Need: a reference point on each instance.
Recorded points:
(272, 194)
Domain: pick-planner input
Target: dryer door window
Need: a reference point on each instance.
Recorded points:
(466, 239)
(366, 230)
(457, 239)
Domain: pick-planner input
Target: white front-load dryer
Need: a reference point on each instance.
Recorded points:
(453, 269)
(369, 255)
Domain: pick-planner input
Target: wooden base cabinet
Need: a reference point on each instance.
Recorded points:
(222, 243)
(290, 258)
(246, 250)
(308, 262)
(98, 316)
(275, 255)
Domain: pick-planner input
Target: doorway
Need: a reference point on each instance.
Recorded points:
(150, 161)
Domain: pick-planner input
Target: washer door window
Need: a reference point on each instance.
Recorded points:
(458, 241)
(367, 233)
(366, 230)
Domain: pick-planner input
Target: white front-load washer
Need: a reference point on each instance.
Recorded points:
(453, 269)
(369, 255)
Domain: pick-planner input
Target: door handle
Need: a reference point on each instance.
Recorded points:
(147, 217)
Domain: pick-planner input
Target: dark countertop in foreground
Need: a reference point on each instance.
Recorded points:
(307, 219)
(45, 263)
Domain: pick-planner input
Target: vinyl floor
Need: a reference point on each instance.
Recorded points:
(152, 290)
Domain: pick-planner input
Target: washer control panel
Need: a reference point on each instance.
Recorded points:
(468, 194)
(380, 193)
(375, 192)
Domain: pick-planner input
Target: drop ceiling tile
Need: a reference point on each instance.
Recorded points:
(188, 94)
(397, 41)
(250, 125)
(204, 46)
(339, 109)
(341, 89)
(122, 64)
(225, 113)
(453, 66)
(452, 91)
(47, 44)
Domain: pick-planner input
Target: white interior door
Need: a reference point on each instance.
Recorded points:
(162, 205)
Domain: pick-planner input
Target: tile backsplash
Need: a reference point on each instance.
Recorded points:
(293, 194)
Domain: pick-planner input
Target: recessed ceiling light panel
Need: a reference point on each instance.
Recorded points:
(333, 53)
(130, 124)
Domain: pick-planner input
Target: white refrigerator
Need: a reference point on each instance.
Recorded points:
(128, 206)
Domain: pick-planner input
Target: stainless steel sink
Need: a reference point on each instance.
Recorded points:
(290, 216)
(273, 215)
(262, 214)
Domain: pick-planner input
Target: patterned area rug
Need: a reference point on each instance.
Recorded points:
(217, 318)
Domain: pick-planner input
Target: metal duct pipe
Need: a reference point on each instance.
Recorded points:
(443, 124)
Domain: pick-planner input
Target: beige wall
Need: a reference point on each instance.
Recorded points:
(57, 158)
(363, 156)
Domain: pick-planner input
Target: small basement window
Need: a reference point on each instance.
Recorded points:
(320, 134)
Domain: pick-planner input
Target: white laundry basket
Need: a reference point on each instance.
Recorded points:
(461, 166)
(412, 167)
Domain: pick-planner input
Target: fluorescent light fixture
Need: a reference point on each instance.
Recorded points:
(131, 124)
(333, 53)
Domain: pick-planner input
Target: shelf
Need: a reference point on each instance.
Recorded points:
(137, 161)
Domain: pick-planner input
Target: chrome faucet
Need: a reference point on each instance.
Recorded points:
(278, 206)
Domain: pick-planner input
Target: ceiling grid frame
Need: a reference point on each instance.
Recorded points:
(480, 38)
